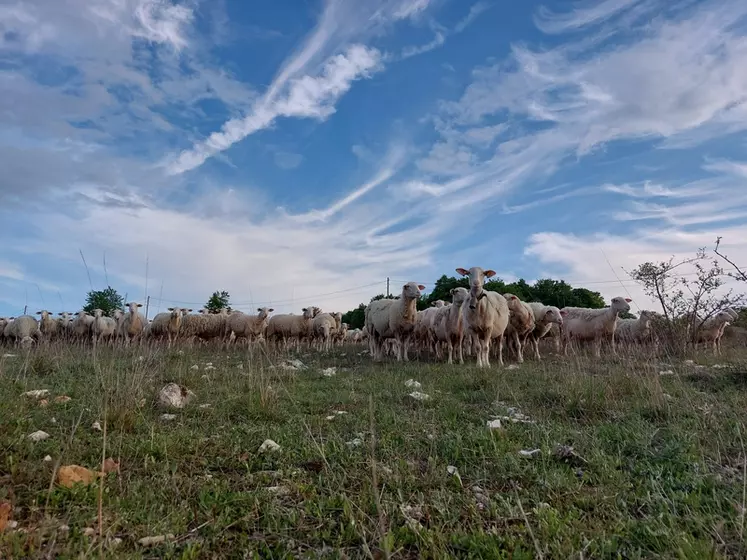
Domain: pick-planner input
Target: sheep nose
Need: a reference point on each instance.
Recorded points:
(471, 306)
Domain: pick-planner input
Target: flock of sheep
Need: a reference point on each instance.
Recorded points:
(474, 320)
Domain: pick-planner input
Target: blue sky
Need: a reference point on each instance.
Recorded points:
(298, 152)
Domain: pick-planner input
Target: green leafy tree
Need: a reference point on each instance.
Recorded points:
(218, 301)
(107, 300)
(355, 318)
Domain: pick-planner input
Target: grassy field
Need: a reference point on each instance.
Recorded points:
(657, 467)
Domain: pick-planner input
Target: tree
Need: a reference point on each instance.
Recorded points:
(218, 301)
(355, 318)
(107, 300)
(685, 302)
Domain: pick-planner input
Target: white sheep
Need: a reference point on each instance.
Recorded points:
(289, 327)
(166, 324)
(23, 330)
(520, 324)
(581, 323)
(424, 334)
(205, 325)
(47, 325)
(545, 316)
(324, 328)
(104, 328)
(449, 324)
(635, 331)
(82, 325)
(250, 327)
(133, 323)
(486, 315)
(393, 318)
(712, 329)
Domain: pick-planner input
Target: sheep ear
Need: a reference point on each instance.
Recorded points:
(451, 291)
(462, 271)
(38, 312)
(270, 310)
(189, 311)
(490, 273)
(170, 309)
(421, 287)
(627, 299)
(259, 309)
(563, 312)
(139, 304)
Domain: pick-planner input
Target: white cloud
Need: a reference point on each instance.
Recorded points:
(306, 97)
(587, 13)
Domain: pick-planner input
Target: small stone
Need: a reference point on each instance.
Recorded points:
(412, 384)
(39, 435)
(205, 405)
(356, 442)
(150, 541)
(175, 396)
(96, 426)
(89, 531)
(329, 372)
(239, 366)
(168, 417)
(269, 446)
(512, 366)
(494, 424)
(37, 393)
(418, 396)
(47, 459)
(666, 372)
(529, 453)
(43, 403)
(194, 368)
(12, 524)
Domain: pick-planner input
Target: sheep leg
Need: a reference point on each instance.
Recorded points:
(517, 344)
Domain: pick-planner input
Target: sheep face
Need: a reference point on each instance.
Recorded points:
(264, 311)
(553, 315)
(620, 304)
(459, 295)
(439, 302)
(98, 313)
(175, 312)
(411, 290)
(477, 278)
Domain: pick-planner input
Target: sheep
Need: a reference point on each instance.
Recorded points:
(205, 325)
(545, 318)
(393, 318)
(423, 333)
(291, 327)
(342, 334)
(104, 328)
(3, 323)
(134, 322)
(582, 323)
(166, 324)
(634, 331)
(486, 315)
(712, 329)
(449, 324)
(324, 328)
(734, 316)
(82, 325)
(520, 324)
(118, 317)
(23, 330)
(250, 327)
(47, 325)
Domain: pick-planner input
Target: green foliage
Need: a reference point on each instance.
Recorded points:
(355, 318)
(107, 300)
(218, 301)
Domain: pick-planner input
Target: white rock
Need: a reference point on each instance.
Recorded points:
(39, 435)
(329, 372)
(12, 524)
(412, 384)
(89, 531)
(205, 405)
(451, 469)
(195, 367)
(48, 459)
(356, 442)
(666, 372)
(292, 364)
(175, 396)
(494, 424)
(180, 352)
(269, 446)
(140, 359)
(168, 417)
(96, 426)
(209, 367)
(53, 420)
(512, 366)
(239, 366)
(340, 412)
(529, 453)
(331, 417)
(37, 393)
(418, 396)
(689, 362)
(208, 364)
(150, 541)
(9, 355)
(719, 366)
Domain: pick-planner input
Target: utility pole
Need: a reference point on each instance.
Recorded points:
(387, 286)
(147, 305)
(25, 307)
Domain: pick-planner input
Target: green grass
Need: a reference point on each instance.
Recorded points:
(662, 474)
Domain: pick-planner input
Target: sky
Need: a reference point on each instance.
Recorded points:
(299, 152)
